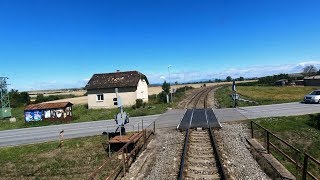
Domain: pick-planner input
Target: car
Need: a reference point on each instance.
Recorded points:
(313, 97)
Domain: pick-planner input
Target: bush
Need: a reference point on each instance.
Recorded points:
(314, 121)
(139, 103)
(162, 97)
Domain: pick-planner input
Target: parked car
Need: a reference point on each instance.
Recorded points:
(313, 97)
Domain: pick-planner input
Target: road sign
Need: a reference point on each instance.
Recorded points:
(235, 96)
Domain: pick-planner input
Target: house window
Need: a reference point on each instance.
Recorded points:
(100, 97)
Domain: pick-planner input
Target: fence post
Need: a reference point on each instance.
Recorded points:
(154, 127)
(124, 163)
(127, 158)
(144, 138)
(251, 129)
(138, 127)
(268, 142)
(142, 124)
(305, 167)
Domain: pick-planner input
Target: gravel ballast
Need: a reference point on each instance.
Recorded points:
(236, 156)
(161, 159)
(168, 153)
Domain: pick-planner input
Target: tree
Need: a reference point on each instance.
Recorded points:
(217, 80)
(40, 98)
(229, 78)
(25, 98)
(241, 78)
(166, 87)
(18, 99)
(309, 70)
(176, 83)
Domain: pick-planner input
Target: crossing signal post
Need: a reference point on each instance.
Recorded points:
(122, 117)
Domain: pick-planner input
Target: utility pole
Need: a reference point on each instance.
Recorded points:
(5, 110)
(170, 83)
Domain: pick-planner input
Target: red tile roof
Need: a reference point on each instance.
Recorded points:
(48, 106)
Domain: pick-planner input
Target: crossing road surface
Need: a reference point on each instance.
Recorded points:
(73, 130)
(274, 110)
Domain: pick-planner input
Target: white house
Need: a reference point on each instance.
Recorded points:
(131, 85)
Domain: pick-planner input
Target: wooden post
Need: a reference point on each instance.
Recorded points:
(142, 124)
(305, 167)
(144, 139)
(268, 142)
(251, 123)
(154, 127)
(126, 158)
(124, 163)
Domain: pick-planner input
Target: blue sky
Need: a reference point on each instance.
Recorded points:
(47, 44)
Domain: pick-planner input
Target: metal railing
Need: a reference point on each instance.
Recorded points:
(118, 164)
(301, 160)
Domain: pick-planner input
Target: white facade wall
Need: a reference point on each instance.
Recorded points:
(128, 96)
(142, 90)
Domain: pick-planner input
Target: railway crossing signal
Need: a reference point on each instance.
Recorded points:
(115, 101)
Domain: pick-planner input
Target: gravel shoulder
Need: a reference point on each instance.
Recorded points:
(162, 157)
(236, 156)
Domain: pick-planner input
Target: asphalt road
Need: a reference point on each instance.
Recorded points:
(73, 130)
(274, 110)
(170, 119)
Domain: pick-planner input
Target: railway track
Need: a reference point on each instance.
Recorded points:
(199, 99)
(200, 158)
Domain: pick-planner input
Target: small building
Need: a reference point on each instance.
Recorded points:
(299, 82)
(132, 85)
(281, 82)
(312, 81)
(61, 111)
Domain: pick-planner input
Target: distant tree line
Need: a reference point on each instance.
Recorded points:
(19, 99)
(41, 98)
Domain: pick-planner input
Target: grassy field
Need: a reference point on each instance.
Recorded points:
(76, 160)
(298, 131)
(263, 94)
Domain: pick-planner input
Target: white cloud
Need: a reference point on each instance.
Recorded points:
(52, 84)
(252, 71)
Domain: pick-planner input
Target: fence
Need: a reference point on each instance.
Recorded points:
(301, 164)
(118, 164)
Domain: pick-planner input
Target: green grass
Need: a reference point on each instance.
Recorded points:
(263, 94)
(76, 160)
(295, 130)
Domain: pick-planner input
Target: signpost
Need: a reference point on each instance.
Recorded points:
(235, 96)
